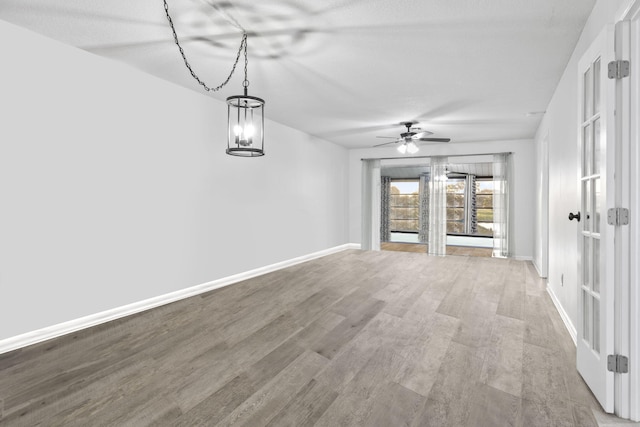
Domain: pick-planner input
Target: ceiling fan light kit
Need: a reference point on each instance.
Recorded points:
(245, 114)
(408, 147)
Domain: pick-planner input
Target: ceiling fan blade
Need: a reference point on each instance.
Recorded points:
(385, 143)
(394, 137)
(435, 139)
(422, 134)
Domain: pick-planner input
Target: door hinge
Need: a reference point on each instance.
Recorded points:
(618, 364)
(618, 69)
(618, 216)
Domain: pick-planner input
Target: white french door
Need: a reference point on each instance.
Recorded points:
(596, 272)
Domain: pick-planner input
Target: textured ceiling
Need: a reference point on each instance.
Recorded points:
(344, 70)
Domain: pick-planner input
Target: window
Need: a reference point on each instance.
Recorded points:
(404, 206)
(456, 218)
(460, 206)
(484, 206)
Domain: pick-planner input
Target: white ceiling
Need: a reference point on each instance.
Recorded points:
(344, 70)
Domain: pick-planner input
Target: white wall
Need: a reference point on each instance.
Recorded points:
(114, 187)
(522, 214)
(560, 124)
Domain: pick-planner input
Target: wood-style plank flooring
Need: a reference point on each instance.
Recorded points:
(352, 339)
(451, 250)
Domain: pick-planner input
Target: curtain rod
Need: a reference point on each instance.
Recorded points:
(428, 157)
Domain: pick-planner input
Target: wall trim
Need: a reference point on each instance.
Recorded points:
(523, 258)
(563, 315)
(39, 335)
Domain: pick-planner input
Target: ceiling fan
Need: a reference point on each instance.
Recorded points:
(409, 138)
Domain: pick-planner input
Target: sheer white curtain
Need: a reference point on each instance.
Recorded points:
(438, 206)
(501, 177)
(370, 205)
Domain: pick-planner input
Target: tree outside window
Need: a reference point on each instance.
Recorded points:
(459, 209)
(484, 206)
(456, 218)
(404, 206)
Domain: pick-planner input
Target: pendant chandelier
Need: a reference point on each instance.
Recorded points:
(245, 114)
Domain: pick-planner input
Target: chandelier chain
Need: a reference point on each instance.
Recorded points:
(243, 46)
(245, 83)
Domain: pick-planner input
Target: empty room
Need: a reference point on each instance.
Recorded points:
(340, 213)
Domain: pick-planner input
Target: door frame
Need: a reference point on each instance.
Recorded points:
(634, 253)
(627, 280)
(627, 387)
(541, 261)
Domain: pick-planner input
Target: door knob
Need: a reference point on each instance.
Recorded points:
(576, 216)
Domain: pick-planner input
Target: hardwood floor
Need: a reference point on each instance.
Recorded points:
(451, 250)
(403, 247)
(470, 251)
(352, 339)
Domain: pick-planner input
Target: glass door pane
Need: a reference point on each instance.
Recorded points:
(587, 157)
(591, 206)
(588, 94)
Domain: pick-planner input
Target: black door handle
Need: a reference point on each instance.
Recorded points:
(576, 216)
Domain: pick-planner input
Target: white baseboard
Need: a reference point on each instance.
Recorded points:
(71, 326)
(523, 258)
(563, 315)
